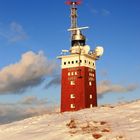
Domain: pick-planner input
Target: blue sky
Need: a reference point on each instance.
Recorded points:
(41, 25)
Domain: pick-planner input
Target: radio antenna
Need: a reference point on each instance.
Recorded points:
(73, 5)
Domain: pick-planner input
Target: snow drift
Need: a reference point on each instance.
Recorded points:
(121, 122)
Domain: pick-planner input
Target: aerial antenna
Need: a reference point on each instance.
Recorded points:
(77, 38)
(73, 5)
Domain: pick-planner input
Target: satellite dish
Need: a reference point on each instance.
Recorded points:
(99, 51)
(86, 49)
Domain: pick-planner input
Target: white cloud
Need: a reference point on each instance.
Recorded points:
(28, 72)
(27, 107)
(13, 32)
(106, 86)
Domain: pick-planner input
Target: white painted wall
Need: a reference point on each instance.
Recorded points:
(90, 62)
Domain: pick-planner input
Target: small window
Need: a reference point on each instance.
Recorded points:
(91, 105)
(72, 96)
(72, 73)
(68, 62)
(75, 73)
(90, 83)
(68, 73)
(90, 96)
(76, 61)
(64, 63)
(80, 61)
(72, 105)
(89, 62)
(85, 61)
(90, 74)
(72, 82)
(72, 62)
(93, 64)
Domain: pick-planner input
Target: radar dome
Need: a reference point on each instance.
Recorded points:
(86, 49)
(99, 51)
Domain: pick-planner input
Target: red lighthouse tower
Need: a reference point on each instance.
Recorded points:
(78, 80)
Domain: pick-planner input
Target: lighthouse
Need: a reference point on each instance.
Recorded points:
(78, 68)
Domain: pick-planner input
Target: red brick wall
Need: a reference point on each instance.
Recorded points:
(81, 89)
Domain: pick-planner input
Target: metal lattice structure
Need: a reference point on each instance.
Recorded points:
(73, 5)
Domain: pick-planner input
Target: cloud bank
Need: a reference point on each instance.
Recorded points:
(106, 86)
(103, 87)
(27, 107)
(28, 72)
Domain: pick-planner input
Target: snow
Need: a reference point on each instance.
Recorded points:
(120, 122)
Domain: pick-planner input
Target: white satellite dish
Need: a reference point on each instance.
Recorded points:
(86, 49)
(99, 51)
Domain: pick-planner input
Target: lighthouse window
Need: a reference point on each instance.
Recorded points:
(93, 64)
(68, 73)
(72, 82)
(72, 62)
(85, 61)
(89, 62)
(76, 61)
(72, 105)
(90, 96)
(80, 61)
(68, 62)
(90, 83)
(64, 63)
(72, 73)
(75, 73)
(90, 74)
(91, 105)
(72, 96)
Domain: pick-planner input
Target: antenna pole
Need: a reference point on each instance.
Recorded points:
(77, 38)
(73, 15)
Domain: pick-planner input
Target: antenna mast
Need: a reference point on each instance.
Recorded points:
(77, 38)
(73, 5)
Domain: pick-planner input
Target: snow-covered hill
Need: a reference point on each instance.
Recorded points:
(121, 122)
